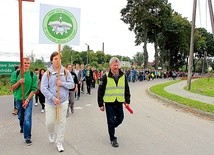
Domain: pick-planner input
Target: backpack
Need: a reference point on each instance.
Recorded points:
(31, 74)
(18, 71)
(65, 73)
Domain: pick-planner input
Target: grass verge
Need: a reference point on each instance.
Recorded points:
(159, 90)
(203, 86)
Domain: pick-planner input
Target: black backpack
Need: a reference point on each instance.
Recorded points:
(18, 71)
(31, 74)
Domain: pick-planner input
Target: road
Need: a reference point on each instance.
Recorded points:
(154, 129)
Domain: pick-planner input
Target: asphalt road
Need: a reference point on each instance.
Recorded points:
(154, 129)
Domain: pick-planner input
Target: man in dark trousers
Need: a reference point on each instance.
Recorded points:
(89, 77)
(72, 91)
(114, 92)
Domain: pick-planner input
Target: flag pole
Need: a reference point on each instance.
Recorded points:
(58, 87)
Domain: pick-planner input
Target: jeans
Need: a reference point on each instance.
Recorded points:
(25, 118)
(115, 117)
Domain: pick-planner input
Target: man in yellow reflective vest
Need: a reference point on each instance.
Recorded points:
(113, 91)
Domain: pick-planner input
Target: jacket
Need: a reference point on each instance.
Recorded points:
(49, 88)
(102, 88)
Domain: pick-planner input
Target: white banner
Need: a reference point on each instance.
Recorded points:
(59, 25)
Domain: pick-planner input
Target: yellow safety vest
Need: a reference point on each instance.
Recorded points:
(114, 91)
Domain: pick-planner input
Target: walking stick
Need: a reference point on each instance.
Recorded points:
(58, 87)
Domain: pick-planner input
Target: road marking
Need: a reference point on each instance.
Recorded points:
(88, 105)
(78, 108)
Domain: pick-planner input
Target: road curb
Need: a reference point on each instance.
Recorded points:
(194, 111)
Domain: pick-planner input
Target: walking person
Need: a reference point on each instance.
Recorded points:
(89, 77)
(49, 88)
(40, 95)
(71, 97)
(77, 71)
(15, 110)
(113, 92)
(24, 107)
(83, 72)
(36, 70)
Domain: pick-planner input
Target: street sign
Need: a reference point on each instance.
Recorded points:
(7, 67)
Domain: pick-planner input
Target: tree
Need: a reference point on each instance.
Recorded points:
(39, 63)
(138, 58)
(32, 56)
(67, 55)
(145, 18)
(101, 57)
(175, 41)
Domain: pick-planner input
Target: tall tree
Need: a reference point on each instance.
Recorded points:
(138, 58)
(176, 41)
(144, 18)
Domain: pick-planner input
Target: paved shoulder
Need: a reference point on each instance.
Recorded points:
(178, 89)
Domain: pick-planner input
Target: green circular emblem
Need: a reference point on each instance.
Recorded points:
(60, 26)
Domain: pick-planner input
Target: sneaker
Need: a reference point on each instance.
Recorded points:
(60, 147)
(28, 142)
(51, 137)
(42, 111)
(114, 143)
(36, 104)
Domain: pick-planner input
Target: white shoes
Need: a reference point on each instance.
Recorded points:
(58, 144)
(51, 137)
(59, 147)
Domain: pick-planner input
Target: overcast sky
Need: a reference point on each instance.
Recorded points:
(99, 22)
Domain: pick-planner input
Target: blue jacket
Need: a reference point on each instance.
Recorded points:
(49, 88)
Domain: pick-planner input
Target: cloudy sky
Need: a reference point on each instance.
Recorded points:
(99, 22)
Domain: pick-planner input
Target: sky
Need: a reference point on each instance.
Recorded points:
(99, 22)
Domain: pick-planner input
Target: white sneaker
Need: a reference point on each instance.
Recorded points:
(51, 137)
(42, 111)
(36, 104)
(60, 147)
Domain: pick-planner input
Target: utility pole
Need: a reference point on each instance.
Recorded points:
(191, 46)
(211, 16)
(88, 48)
(103, 47)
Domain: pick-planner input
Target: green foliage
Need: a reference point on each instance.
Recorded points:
(138, 58)
(147, 19)
(37, 64)
(159, 90)
(67, 55)
(5, 85)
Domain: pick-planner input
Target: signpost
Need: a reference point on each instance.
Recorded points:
(21, 44)
(7, 67)
(60, 26)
